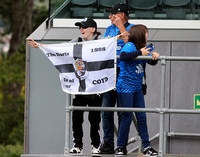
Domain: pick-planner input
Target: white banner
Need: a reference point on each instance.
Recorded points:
(85, 67)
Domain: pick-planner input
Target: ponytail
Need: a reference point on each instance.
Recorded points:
(97, 33)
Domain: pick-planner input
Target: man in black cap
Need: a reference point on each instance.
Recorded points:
(119, 15)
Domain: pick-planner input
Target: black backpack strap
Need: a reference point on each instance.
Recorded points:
(80, 39)
(144, 75)
(144, 67)
(126, 24)
(144, 84)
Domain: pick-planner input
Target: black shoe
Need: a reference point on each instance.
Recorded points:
(120, 151)
(106, 148)
(150, 152)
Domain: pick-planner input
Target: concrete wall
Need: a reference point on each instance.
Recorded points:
(46, 107)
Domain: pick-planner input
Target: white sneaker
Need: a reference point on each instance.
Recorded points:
(150, 152)
(95, 151)
(76, 151)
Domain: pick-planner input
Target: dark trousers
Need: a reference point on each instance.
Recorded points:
(94, 119)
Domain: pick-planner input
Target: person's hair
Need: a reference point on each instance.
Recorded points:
(97, 33)
(138, 35)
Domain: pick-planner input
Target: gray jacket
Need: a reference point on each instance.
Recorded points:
(81, 39)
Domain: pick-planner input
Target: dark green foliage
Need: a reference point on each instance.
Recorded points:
(42, 15)
(12, 85)
(12, 80)
(11, 150)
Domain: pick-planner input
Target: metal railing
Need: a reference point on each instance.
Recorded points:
(161, 110)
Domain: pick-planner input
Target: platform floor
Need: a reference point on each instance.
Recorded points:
(89, 155)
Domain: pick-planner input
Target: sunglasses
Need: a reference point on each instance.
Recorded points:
(115, 13)
(84, 27)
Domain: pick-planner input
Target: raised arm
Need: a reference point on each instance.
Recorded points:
(124, 56)
(33, 43)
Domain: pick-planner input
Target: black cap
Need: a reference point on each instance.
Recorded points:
(119, 7)
(88, 22)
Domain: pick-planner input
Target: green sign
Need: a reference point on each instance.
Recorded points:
(196, 101)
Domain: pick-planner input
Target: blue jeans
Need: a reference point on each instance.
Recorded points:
(109, 100)
(132, 100)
